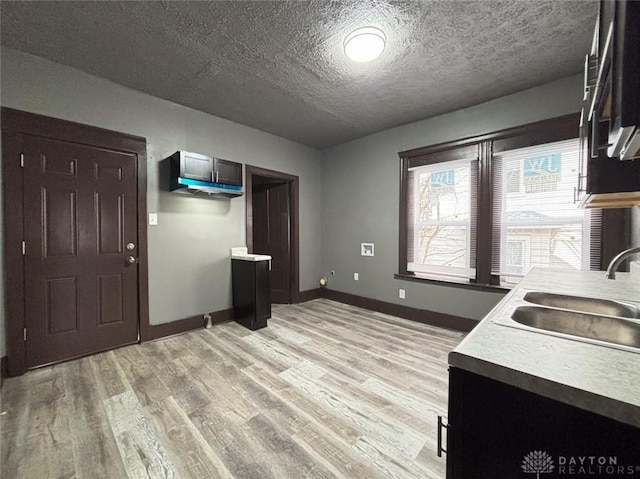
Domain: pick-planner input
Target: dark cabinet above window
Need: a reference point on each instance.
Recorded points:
(612, 81)
(624, 127)
(610, 122)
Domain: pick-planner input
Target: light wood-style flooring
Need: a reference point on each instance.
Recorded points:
(327, 390)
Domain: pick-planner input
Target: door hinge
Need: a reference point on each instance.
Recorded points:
(24, 333)
(24, 248)
(21, 160)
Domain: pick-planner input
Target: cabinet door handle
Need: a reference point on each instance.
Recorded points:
(441, 425)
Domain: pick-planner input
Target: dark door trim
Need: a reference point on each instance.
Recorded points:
(295, 219)
(14, 124)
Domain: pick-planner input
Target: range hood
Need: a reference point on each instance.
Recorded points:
(197, 187)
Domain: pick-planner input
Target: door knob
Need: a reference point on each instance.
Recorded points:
(131, 246)
(131, 259)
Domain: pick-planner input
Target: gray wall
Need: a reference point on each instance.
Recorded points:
(360, 192)
(188, 251)
(189, 267)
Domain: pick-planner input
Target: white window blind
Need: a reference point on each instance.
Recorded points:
(536, 222)
(442, 222)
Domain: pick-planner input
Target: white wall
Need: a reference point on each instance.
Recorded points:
(360, 193)
(189, 268)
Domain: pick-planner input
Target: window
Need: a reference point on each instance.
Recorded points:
(488, 210)
(541, 210)
(442, 223)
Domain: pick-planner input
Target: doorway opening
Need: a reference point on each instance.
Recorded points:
(272, 228)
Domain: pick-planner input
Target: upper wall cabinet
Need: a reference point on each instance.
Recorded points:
(624, 128)
(194, 165)
(200, 174)
(613, 78)
(227, 172)
(610, 123)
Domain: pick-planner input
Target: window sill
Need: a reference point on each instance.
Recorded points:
(452, 282)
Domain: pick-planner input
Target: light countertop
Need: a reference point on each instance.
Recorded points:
(252, 257)
(242, 254)
(596, 378)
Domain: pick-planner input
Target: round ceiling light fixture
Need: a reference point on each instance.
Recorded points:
(364, 44)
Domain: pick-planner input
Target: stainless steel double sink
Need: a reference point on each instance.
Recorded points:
(600, 321)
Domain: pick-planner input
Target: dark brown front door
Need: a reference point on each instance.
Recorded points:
(80, 230)
(271, 235)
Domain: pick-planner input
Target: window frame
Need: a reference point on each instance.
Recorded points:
(485, 146)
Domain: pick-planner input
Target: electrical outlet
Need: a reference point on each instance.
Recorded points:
(153, 219)
(356, 277)
(401, 293)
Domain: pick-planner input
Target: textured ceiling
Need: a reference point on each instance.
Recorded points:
(279, 66)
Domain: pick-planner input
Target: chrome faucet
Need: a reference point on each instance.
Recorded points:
(615, 262)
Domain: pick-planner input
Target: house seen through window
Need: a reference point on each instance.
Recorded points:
(539, 224)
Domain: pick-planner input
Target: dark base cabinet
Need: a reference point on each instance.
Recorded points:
(251, 302)
(497, 431)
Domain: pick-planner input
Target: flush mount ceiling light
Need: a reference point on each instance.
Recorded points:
(364, 44)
